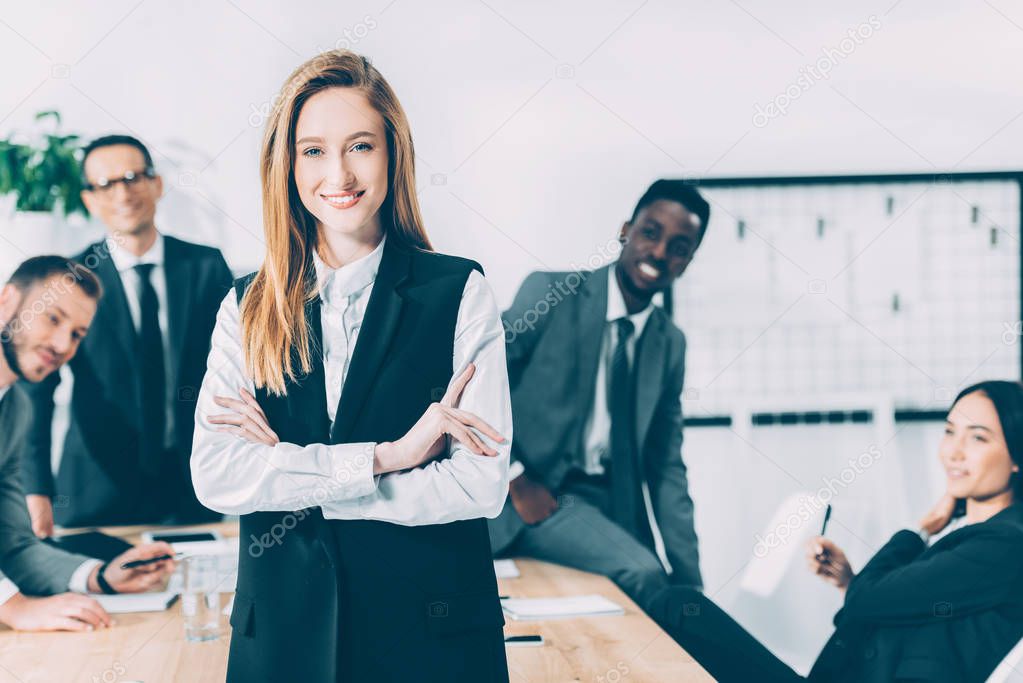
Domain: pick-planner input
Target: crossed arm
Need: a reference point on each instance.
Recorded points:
(387, 482)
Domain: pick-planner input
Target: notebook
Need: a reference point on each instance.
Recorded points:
(124, 603)
(521, 609)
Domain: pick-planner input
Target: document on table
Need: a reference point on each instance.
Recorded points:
(521, 609)
(124, 603)
(506, 569)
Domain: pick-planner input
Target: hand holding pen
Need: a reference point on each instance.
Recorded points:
(827, 560)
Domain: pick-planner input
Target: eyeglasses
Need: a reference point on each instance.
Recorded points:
(130, 179)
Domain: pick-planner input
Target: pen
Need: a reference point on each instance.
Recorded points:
(159, 558)
(823, 556)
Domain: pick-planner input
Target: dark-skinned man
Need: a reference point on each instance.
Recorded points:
(596, 373)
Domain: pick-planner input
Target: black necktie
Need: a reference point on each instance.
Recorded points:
(152, 378)
(621, 403)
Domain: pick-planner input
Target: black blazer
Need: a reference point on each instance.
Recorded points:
(365, 601)
(99, 481)
(948, 612)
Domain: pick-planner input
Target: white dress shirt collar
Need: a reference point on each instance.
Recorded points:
(335, 284)
(3, 391)
(616, 304)
(124, 260)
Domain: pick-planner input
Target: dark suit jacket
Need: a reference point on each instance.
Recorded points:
(35, 567)
(948, 612)
(99, 481)
(553, 345)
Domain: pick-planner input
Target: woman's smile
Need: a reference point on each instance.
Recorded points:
(343, 200)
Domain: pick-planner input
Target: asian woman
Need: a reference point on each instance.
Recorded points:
(922, 609)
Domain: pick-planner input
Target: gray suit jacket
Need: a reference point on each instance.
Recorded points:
(36, 568)
(553, 332)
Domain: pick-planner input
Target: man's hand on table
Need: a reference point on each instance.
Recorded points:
(64, 612)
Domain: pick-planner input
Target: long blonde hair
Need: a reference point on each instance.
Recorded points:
(274, 332)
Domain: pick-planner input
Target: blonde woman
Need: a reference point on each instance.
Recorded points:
(355, 411)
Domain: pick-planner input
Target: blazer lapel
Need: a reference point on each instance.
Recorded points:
(649, 373)
(179, 292)
(378, 327)
(113, 308)
(589, 330)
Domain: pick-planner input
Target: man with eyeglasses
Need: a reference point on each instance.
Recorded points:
(137, 375)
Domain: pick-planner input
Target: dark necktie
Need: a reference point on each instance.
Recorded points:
(625, 487)
(152, 377)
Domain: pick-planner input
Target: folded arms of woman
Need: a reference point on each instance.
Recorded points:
(238, 467)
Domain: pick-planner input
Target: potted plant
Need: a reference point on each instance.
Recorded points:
(40, 182)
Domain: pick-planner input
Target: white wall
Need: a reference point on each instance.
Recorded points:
(539, 170)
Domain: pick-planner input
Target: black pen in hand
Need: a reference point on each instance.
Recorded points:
(159, 558)
(824, 557)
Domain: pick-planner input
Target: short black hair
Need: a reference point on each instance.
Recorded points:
(674, 190)
(110, 141)
(40, 268)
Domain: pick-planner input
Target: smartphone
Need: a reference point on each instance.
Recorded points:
(523, 641)
(183, 537)
(186, 540)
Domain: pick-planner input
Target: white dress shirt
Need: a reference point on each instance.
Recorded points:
(79, 579)
(597, 431)
(597, 439)
(125, 262)
(234, 476)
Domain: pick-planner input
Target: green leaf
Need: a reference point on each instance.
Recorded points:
(44, 176)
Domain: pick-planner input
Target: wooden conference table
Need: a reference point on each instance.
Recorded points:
(151, 647)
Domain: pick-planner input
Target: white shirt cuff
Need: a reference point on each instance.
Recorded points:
(356, 474)
(515, 469)
(79, 582)
(7, 590)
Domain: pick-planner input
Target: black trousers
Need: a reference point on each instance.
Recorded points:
(724, 648)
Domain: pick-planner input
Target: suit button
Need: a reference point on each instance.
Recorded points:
(839, 643)
(869, 653)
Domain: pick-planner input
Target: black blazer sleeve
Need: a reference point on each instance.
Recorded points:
(224, 279)
(898, 586)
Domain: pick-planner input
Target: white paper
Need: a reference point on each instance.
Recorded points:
(780, 543)
(506, 569)
(554, 608)
(124, 603)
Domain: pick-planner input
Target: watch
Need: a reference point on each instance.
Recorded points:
(103, 585)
